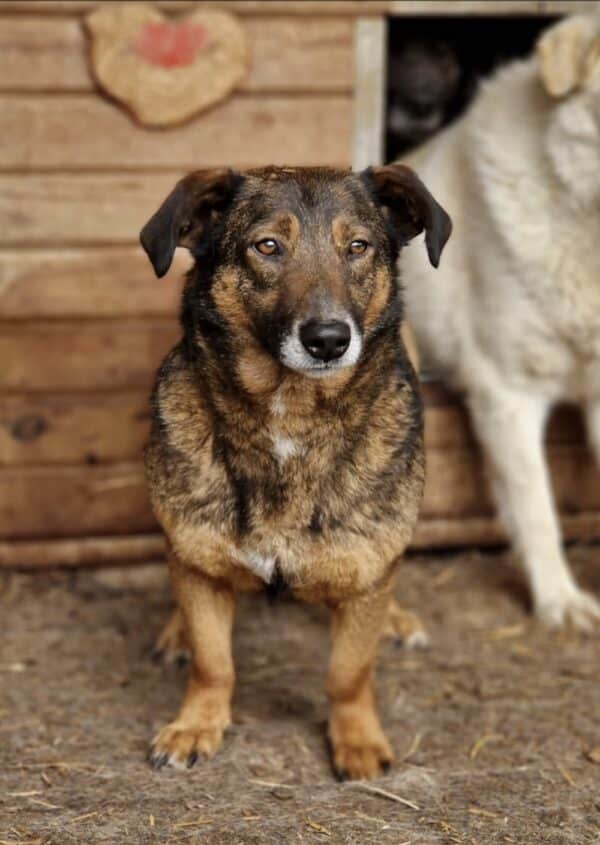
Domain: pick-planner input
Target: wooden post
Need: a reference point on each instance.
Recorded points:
(370, 59)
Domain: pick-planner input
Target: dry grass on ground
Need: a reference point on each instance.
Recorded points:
(494, 728)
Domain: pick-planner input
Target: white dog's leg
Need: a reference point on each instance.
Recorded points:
(510, 428)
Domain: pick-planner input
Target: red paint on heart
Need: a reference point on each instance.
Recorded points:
(170, 45)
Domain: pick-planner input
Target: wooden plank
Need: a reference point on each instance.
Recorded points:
(93, 551)
(266, 8)
(75, 209)
(81, 131)
(464, 7)
(567, 7)
(316, 56)
(486, 531)
(104, 282)
(73, 428)
(370, 50)
(456, 485)
(38, 502)
(71, 355)
(312, 7)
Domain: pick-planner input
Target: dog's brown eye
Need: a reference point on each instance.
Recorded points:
(358, 247)
(268, 246)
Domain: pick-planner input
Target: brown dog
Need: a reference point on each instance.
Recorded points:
(286, 446)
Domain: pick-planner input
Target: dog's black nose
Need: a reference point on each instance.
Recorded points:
(325, 341)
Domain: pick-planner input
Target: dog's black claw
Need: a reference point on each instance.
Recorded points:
(340, 774)
(158, 760)
(386, 766)
(181, 661)
(192, 759)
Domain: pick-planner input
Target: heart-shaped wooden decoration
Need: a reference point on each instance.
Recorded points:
(166, 71)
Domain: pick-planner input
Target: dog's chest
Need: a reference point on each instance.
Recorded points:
(309, 492)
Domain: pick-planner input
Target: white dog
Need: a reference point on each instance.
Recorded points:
(513, 319)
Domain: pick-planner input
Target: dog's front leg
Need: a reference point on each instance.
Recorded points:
(510, 427)
(359, 748)
(207, 612)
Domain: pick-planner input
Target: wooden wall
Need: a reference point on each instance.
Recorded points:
(83, 323)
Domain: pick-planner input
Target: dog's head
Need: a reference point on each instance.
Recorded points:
(423, 78)
(568, 56)
(294, 265)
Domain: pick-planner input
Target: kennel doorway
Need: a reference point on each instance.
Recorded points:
(470, 27)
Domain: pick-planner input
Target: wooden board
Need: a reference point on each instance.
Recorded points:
(456, 484)
(94, 551)
(368, 126)
(74, 501)
(78, 209)
(316, 56)
(317, 7)
(95, 282)
(81, 131)
(567, 7)
(73, 428)
(582, 527)
(73, 355)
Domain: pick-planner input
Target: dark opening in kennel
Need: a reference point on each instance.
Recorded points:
(435, 64)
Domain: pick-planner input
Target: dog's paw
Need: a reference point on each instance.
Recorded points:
(405, 628)
(358, 747)
(355, 761)
(180, 746)
(572, 607)
(171, 646)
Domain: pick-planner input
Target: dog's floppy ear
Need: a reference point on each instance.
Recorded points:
(562, 54)
(183, 215)
(411, 206)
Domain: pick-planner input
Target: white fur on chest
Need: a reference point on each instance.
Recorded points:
(283, 447)
(261, 565)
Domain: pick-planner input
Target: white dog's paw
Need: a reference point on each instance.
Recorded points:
(572, 607)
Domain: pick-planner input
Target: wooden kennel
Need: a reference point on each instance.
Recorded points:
(83, 323)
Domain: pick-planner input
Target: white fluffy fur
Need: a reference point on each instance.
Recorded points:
(284, 447)
(261, 565)
(513, 315)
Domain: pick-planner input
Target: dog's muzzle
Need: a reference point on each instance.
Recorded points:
(316, 347)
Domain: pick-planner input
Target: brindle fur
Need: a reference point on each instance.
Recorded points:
(332, 513)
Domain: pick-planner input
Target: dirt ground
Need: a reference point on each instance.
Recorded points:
(496, 728)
